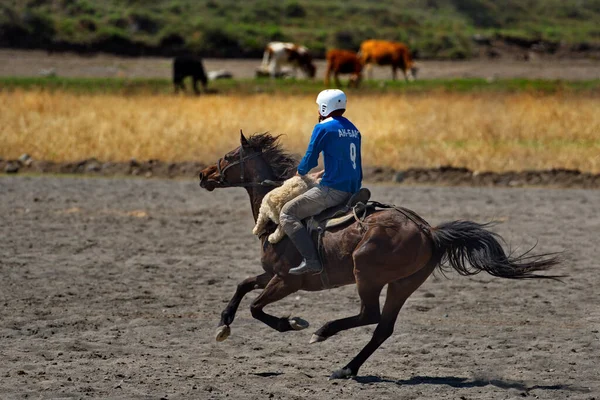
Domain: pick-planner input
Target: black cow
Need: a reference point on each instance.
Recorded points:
(184, 66)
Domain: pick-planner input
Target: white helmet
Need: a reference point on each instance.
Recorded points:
(330, 100)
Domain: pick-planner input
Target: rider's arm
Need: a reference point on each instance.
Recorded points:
(311, 158)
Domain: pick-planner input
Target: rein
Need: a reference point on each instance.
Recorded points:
(243, 183)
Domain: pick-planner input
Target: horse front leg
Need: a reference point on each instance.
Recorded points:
(243, 288)
(277, 289)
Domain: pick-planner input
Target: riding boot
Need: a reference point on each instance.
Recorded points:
(304, 243)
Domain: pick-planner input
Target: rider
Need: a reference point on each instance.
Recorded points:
(339, 141)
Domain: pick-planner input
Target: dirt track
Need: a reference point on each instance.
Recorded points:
(112, 288)
(32, 63)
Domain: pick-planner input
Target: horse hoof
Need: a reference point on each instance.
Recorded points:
(223, 333)
(298, 324)
(316, 338)
(343, 373)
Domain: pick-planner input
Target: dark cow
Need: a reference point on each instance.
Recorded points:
(343, 62)
(184, 66)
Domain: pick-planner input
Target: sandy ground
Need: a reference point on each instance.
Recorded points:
(32, 63)
(112, 288)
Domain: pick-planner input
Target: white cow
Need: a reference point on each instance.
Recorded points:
(278, 54)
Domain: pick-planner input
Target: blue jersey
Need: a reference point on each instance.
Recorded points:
(339, 141)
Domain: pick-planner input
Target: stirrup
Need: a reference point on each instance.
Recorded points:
(313, 267)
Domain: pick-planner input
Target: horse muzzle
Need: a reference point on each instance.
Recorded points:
(206, 183)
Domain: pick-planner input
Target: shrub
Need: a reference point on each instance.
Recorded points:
(274, 33)
(444, 45)
(13, 31)
(118, 22)
(36, 3)
(593, 5)
(145, 21)
(317, 48)
(175, 8)
(114, 40)
(39, 25)
(172, 40)
(79, 7)
(347, 40)
(66, 27)
(106, 32)
(218, 42)
(267, 12)
(483, 13)
(294, 10)
(87, 24)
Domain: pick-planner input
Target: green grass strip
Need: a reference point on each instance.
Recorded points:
(290, 86)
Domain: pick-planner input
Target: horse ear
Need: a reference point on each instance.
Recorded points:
(243, 139)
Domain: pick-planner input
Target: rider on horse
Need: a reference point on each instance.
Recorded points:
(339, 141)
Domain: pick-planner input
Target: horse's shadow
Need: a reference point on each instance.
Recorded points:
(458, 382)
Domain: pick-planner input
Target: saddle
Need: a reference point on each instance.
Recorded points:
(341, 214)
(357, 208)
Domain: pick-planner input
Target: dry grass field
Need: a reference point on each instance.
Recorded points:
(483, 132)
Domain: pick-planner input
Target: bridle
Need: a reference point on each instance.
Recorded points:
(223, 180)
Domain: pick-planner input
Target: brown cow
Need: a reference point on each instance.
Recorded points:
(343, 62)
(383, 52)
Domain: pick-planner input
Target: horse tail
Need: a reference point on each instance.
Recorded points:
(469, 248)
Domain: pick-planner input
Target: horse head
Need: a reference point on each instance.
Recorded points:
(258, 161)
(238, 168)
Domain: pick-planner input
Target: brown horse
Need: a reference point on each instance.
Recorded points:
(390, 247)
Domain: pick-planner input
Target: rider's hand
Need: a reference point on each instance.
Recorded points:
(318, 175)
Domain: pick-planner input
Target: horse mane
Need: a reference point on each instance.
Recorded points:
(281, 162)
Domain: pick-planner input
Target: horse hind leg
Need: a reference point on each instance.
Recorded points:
(369, 313)
(277, 289)
(243, 288)
(397, 293)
